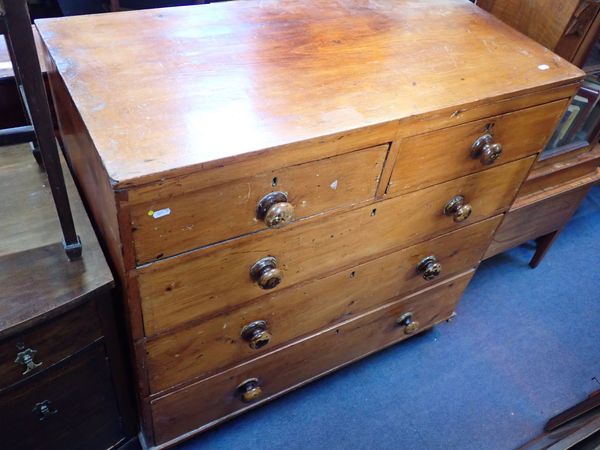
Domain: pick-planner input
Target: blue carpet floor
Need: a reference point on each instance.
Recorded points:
(524, 346)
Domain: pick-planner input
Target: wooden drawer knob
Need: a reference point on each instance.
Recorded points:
(265, 273)
(429, 268)
(275, 210)
(485, 150)
(458, 209)
(256, 334)
(249, 390)
(406, 321)
(26, 359)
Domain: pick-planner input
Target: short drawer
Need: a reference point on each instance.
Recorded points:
(442, 155)
(70, 406)
(196, 219)
(39, 348)
(217, 279)
(205, 402)
(270, 321)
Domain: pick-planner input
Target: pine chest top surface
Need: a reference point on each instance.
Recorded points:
(166, 91)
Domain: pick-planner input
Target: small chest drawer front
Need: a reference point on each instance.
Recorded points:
(182, 223)
(441, 155)
(71, 406)
(218, 278)
(39, 348)
(270, 321)
(248, 384)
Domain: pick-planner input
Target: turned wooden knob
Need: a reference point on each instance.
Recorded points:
(429, 268)
(458, 209)
(256, 334)
(275, 210)
(486, 150)
(265, 273)
(406, 321)
(249, 390)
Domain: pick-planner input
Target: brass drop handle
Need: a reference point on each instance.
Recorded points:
(406, 321)
(249, 390)
(275, 210)
(256, 334)
(26, 358)
(486, 150)
(458, 208)
(44, 410)
(265, 273)
(429, 267)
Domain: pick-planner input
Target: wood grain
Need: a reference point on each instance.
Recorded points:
(536, 219)
(204, 85)
(31, 238)
(555, 172)
(214, 344)
(544, 21)
(82, 394)
(229, 210)
(54, 341)
(217, 278)
(299, 363)
(343, 142)
(438, 156)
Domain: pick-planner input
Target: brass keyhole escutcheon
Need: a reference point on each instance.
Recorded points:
(265, 273)
(256, 334)
(458, 209)
(44, 409)
(249, 390)
(26, 358)
(486, 150)
(429, 267)
(406, 321)
(275, 210)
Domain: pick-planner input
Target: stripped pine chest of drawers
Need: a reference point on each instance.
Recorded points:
(285, 187)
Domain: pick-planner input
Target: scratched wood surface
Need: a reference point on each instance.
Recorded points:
(187, 88)
(431, 158)
(229, 210)
(216, 278)
(294, 365)
(211, 345)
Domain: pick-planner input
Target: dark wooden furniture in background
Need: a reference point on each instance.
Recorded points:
(63, 379)
(568, 167)
(275, 185)
(12, 113)
(15, 27)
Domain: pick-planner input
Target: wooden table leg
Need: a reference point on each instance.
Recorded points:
(543, 244)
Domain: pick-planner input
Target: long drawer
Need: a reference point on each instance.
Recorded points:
(217, 278)
(270, 321)
(169, 226)
(204, 403)
(440, 155)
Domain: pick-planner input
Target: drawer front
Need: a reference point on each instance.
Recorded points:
(37, 349)
(442, 155)
(535, 220)
(213, 398)
(226, 211)
(273, 320)
(217, 278)
(71, 406)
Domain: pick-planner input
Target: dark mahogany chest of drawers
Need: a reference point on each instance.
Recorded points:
(63, 377)
(286, 188)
